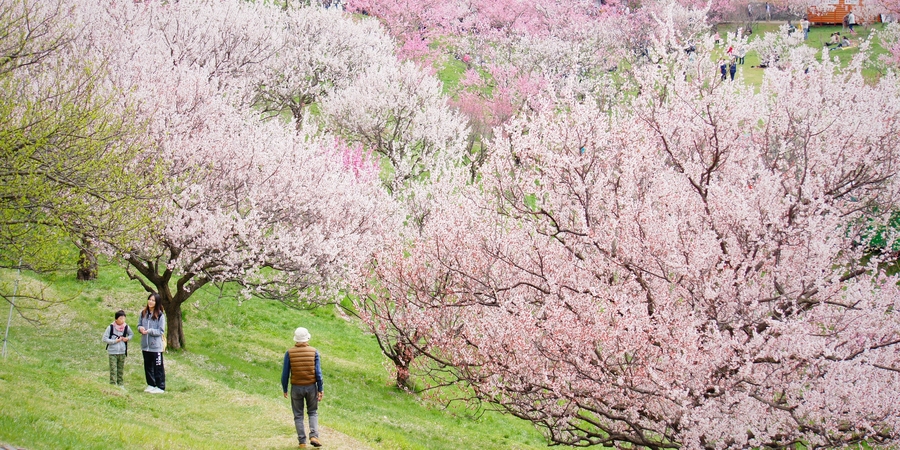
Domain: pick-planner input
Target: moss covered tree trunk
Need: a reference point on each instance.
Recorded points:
(87, 262)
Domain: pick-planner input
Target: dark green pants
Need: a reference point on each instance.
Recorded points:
(117, 369)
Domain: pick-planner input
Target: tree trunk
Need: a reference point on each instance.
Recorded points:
(174, 324)
(403, 378)
(401, 354)
(403, 357)
(154, 281)
(87, 262)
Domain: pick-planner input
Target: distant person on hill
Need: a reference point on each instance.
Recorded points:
(732, 69)
(303, 370)
(851, 21)
(152, 326)
(116, 337)
(723, 69)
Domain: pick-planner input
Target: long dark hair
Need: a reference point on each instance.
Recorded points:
(157, 310)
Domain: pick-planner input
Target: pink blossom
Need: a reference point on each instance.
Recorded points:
(638, 293)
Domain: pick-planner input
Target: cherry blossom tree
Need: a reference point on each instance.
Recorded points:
(242, 199)
(683, 267)
(416, 24)
(514, 50)
(320, 52)
(890, 6)
(489, 38)
(890, 40)
(398, 111)
(262, 207)
(577, 60)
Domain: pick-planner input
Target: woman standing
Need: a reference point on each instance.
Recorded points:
(152, 326)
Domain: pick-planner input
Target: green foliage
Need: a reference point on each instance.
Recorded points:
(878, 239)
(67, 152)
(223, 393)
(450, 73)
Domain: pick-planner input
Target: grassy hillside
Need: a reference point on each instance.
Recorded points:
(818, 36)
(223, 391)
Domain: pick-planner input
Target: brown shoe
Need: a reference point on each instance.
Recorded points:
(302, 446)
(315, 442)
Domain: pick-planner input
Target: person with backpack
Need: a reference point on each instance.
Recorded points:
(116, 338)
(152, 326)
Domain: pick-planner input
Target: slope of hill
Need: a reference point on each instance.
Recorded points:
(223, 391)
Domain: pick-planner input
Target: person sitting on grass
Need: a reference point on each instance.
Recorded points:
(845, 42)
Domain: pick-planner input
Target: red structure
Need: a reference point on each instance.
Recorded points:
(834, 11)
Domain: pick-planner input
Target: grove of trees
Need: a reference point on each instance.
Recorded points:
(587, 228)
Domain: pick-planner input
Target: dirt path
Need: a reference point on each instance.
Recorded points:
(332, 439)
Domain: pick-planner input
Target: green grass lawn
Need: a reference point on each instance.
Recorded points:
(818, 36)
(223, 391)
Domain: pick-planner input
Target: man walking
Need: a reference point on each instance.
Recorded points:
(302, 368)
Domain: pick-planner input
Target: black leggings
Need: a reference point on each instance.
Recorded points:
(154, 369)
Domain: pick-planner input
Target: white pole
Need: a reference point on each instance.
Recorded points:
(12, 304)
